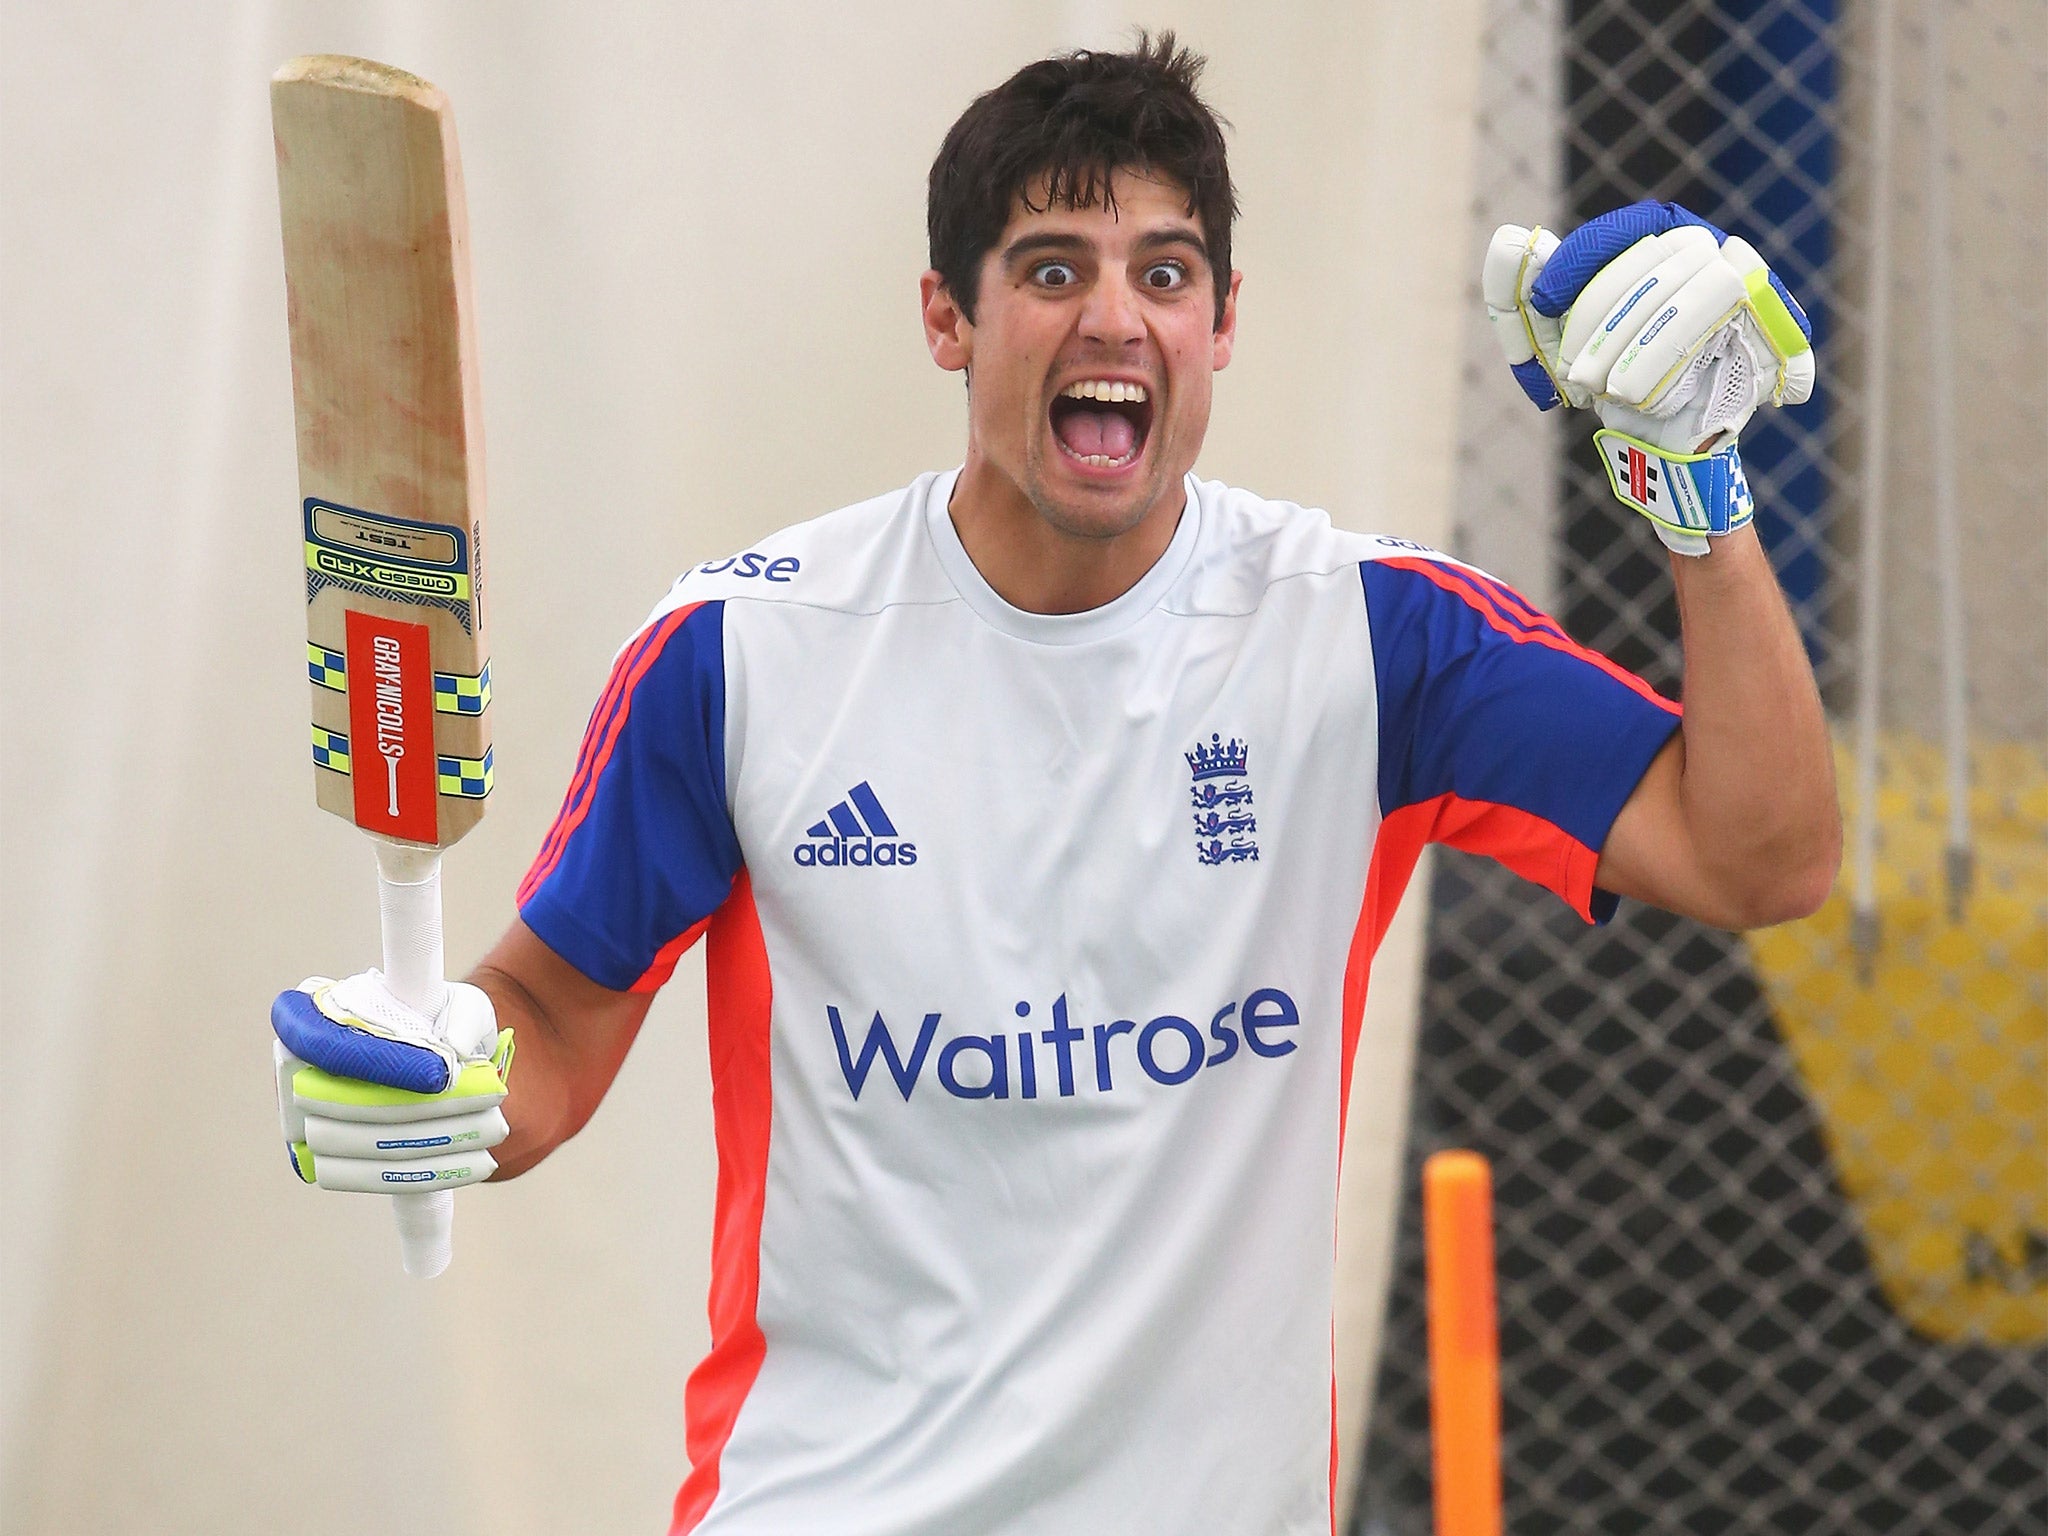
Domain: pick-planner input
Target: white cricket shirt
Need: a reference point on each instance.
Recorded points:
(1038, 951)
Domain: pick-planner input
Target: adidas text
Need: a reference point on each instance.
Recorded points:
(860, 852)
(856, 832)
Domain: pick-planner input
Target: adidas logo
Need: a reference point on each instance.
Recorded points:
(856, 831)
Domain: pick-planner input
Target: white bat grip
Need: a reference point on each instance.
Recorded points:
(409, 907)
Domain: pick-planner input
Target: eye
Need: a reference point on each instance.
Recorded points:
(1055, 274)
(1165, 276)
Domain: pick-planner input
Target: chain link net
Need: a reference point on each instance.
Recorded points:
(1772, 1209)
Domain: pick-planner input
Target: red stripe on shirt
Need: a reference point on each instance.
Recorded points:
(1333, 1413)
(1395, 850)
(1514, 604)
(593, 731)
(599, 737)
(602, 718)
(1533, 848)
(663, 965)
(1530, 846)
(740, 993)
(1455, 581)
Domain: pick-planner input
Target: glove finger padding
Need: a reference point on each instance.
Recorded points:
(447, 1151)
(1726, 303)
(376, 1098)
(348, 1134)
(1674, 331)
(1633, 286)
(356, 1028)
(1515, 259)
(1573, 299)
(358, 1176)
(405, 1141)
(1692, 322)
(1597, 242)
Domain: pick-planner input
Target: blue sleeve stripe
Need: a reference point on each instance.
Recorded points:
(1509, 612)
(644, 848)
(1483, 698)
(605, 718)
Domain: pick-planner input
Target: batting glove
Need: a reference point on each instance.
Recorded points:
(379, 1099)
(1674, 332)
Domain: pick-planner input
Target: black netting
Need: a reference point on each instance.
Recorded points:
(1700, 1179)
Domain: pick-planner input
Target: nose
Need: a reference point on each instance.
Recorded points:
(1110, 315)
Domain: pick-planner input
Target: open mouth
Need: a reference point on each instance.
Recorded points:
(1102, 423)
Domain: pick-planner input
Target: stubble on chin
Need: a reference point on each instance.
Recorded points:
(1082, 521)
(1085, 518)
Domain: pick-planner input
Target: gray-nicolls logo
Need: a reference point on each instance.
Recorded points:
(386, 666)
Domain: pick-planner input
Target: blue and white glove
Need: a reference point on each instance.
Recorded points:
(1674, 332)
(378, 1099)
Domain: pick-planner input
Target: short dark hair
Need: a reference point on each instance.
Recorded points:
(1073, 120)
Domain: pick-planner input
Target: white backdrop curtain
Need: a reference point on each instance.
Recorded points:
(697, 236)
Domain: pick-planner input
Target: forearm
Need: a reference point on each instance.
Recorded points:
(536, 1103)
(572, 1037)
(1756, 784)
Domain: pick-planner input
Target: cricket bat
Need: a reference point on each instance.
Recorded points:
(391, 502)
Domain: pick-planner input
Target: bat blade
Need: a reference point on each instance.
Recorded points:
(389, 427)
(391, 509)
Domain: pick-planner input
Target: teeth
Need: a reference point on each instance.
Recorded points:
(1100, 460)
(1104, 389)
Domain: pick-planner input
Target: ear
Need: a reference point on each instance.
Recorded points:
(1225, 339)
(948, 333)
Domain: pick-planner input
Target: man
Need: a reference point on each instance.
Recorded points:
(1043, 818)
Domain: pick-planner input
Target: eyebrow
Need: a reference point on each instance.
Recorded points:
(1052, 242)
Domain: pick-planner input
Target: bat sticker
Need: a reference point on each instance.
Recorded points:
(384, 556)
(391, 728)
(455, 693)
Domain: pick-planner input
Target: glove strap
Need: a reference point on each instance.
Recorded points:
(1689, 496)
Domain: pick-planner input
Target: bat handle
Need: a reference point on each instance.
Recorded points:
(409, 906)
